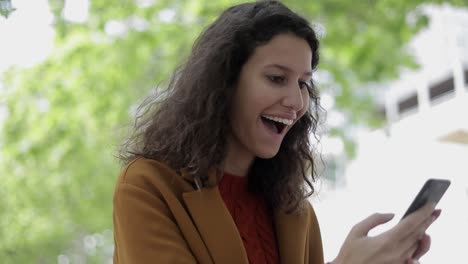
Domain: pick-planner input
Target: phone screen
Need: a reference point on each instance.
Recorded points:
(432, 191)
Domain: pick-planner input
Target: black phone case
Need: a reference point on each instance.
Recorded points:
(432, 191)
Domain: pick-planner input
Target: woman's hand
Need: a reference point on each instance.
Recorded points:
(403, 244)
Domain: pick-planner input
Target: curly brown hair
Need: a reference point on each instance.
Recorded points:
(187, 125)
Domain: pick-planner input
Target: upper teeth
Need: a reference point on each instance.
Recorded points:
(278, 119)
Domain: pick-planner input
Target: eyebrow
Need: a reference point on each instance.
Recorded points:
(285, 68)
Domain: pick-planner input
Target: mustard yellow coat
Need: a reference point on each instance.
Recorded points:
(159, 217)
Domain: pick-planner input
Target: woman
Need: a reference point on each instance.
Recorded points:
(220, 166)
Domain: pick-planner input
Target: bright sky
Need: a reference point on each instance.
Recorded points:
(26, 36)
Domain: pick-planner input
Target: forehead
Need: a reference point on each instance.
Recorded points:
(284, 49)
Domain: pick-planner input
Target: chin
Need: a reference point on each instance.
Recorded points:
(267, 153)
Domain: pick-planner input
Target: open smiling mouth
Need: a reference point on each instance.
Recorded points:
(275, 126)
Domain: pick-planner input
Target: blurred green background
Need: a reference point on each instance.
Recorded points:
(66, 116)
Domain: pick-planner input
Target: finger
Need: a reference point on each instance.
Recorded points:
(412, 261)
(424, 246)
(417, 235)
(407, 254)
(420, 231)
(362, 228)
(412, 221)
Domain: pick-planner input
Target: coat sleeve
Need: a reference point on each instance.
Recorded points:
(315, 239)
(145, 230)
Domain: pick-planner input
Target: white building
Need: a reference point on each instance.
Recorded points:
(426, 137)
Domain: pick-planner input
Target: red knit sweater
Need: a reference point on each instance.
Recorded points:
(253, 219)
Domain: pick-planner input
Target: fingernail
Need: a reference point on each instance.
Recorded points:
(437, 213)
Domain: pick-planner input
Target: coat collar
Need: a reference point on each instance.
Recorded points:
(220, 234)
(291, 235)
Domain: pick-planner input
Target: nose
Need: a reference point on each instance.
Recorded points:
(293, 98)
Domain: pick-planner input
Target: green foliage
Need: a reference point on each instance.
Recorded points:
(66, 115)
(6, 8)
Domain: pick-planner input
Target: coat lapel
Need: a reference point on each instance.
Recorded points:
(215, 225)
(219, 232)
(291, 234)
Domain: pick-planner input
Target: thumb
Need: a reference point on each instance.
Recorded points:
(362, 228)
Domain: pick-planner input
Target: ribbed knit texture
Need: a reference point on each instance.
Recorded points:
(253, 219)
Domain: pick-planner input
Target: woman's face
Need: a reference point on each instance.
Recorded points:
(271, 95)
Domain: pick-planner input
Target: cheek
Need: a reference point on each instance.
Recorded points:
(305, 103)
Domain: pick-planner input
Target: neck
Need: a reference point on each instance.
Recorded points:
(238, 160)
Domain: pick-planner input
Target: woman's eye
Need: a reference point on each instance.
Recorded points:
(277, 79)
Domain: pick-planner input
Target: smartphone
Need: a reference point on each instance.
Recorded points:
(432, 191)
